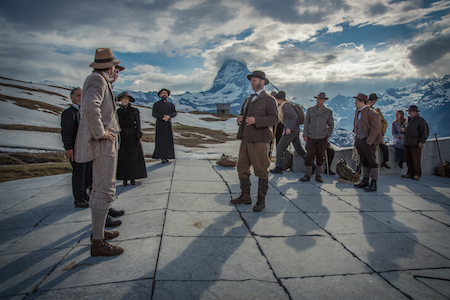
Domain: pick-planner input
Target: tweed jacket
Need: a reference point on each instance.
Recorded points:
(319, 124)
(265, 110)
(417, 131)
(97, 113)
(370, 122)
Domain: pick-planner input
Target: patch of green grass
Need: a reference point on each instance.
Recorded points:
(8, 173)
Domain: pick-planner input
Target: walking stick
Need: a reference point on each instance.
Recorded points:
(326, 161)
(379, 159)
(439, 152)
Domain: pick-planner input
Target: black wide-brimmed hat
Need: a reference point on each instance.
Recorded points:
(168, 92)
(125, 93)
(259, 74)
(321, 95)
(413, 108)
(362, 97)
(280, 95)
(373, 97)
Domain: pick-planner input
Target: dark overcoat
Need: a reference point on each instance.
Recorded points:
(164, 146)
(416, 131)
(131, 161)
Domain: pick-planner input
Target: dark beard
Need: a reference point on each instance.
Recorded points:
(258, 87)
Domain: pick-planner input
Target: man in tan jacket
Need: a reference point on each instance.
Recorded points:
(258, 114)
(96, 141)
(366, 126)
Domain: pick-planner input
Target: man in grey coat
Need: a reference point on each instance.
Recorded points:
(318, 127)
(258, 114)
(96, 141)
(291, 131)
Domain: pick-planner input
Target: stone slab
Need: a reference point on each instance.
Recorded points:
(409, 222)
(217, 290)
(322, 203)
(21, 273)
(436, 241)
(199, 187)
(349, 287)
(80, 269)
(37, 202)
(422, 284)
(302, 256)
(146, 189)
(208, 224)
(140, 203)
(210, 258)
(282, 224)
(23, 219)
(130, 290)
(200, 202)
(370, 202)
(348, 222)
(50, 237)
(416, 202)
(392, 251)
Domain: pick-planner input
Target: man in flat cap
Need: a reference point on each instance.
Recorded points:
(366, 126)
(96, 141)
(416, 132)
(258, 115)
(318, 127)
(287, 116)
(164, 111)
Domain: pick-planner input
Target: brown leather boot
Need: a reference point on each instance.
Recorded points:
(103, 248)
(109, 234)
(261, 203)
(244, 198)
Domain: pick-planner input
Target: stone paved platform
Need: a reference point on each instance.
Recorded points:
(184, 240)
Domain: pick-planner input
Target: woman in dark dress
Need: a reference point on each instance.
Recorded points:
(163, 112)
(131, 162)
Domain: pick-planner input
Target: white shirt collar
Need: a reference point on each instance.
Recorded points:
(76, 106)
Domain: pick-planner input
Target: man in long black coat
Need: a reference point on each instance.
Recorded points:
(163, 112)
(82, 172)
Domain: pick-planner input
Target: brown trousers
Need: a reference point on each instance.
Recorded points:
(256, 155)
(104, 176)
(412, 158)
(315, 148)
(367, 153)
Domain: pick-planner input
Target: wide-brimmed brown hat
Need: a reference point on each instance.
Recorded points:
(321, 95)
(168, 92)
(259, 74)
(362, 97)
(280, 95)
(104, 59)
(413, 108)
(373, 97)
(125, 93)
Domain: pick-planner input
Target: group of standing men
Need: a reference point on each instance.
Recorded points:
(259, 113)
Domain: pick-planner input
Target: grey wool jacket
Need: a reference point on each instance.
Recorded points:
(319, 124)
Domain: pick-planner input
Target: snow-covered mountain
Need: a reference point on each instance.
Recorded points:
(230, 86)
(432, 96)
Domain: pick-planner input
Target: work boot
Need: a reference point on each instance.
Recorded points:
(125, 183)
(81, 204)
(278, 166)
(372, 187)
(103, 248)
(261, 203)
(318, 174)
(244, 197)
(362, 184)
(384, 164)
(115, 212)
(109, 235)
(111, 222)
(308, 172)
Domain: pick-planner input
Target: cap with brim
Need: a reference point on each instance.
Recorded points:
(373, 97)
(413, 108)
(125, 93)
(321, 95)
(280, 95)
(362, 97)
(259, 74)
(104, 59)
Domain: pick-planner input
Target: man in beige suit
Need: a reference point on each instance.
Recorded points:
(96, 142)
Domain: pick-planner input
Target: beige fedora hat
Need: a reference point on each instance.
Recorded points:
(104, 58)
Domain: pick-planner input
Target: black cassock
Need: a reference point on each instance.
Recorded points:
(164, 148)
(131, 162)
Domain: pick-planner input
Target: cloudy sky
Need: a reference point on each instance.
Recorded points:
(304, 46)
